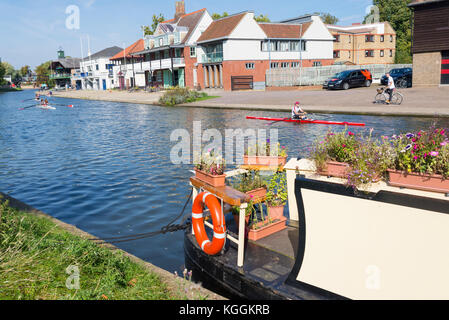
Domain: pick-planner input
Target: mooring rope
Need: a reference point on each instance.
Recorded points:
(170, 228)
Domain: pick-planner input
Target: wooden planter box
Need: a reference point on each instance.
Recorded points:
(215, 181)
(264, 161)
(432, 183)
(336, 169)
(258, 194)
(276, 226)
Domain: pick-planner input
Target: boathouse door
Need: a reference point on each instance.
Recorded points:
(445, 68)
(104, 84)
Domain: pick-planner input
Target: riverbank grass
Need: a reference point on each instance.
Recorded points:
(39, 260)
(10, 89)
(177, 96)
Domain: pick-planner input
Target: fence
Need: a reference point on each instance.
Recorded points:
(312, 76)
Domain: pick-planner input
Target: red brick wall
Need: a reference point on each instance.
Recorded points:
(190, 65)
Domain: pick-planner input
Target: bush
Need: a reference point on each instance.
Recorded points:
(179, 96)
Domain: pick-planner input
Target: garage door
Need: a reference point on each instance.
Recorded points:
(445, 68)
(242, 83)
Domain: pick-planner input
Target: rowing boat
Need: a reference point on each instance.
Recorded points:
(308, 121)
(46, 107)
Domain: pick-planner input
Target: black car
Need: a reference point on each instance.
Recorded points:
(403, 77)
(349, 79)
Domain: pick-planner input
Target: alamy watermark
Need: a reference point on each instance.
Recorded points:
(73, 281)
(72, 21)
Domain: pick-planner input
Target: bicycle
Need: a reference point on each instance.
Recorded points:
(382, 97)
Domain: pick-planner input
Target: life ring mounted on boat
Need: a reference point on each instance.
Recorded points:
(218, 242)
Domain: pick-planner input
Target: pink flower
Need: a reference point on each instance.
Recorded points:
(415, 147)
(434, 154)
(351, 133)
(344, 146)
(415, 158)
(443, 132)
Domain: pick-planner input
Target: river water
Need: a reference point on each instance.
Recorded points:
(105, 167)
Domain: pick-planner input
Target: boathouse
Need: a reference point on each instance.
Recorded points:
(430, 44)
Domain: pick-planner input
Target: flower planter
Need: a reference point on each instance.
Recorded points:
(336, 169)
(264, 161)
(432, 183)
(257, 195)
(215, 181)
(265, 231)
(276, 212)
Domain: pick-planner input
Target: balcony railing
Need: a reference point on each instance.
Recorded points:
(212, 57)
(60, 76)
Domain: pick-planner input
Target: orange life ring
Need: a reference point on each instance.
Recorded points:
(218, 242)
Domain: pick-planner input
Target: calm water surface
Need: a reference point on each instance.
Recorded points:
(105, 167)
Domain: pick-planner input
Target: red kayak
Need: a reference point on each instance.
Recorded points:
(332, 123)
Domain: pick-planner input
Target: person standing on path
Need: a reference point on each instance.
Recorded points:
(391, 87)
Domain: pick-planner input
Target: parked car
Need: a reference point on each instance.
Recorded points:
(349, 79)
(403, 77)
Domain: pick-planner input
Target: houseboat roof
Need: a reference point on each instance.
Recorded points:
(132, 49)
(222, 28)
(285, 31)
(105, 53)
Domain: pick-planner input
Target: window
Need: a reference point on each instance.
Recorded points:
(369, 53)
(337, 38)
(282, 46)
(317, 63)
(97, 67)
(349, 52)
(274, 65)
(382, 53)
(250, 66)
(382, 38)
(391, 38)
(295, 64)
(369, 38)
(336, 54)
(285, 65)
(350, 39)
(391, 53)
(193, 52)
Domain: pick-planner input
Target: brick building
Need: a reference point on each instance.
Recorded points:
(364, 43)
(430, 46)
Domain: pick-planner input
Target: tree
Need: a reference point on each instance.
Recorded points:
(328, 18)
(25, 71)
(43, 74)
(150, 30)
(262, 18)
(217, 16)
(398, 14)
(9, 69)
(2, 73)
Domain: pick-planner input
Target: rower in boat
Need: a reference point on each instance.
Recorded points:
(298, 113)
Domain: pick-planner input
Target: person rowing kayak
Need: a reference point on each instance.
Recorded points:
(298, 113)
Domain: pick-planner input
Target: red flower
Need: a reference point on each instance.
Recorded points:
(351, 133)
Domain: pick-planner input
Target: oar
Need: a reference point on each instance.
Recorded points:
(63, 105)
(27, 107)
(28, 100)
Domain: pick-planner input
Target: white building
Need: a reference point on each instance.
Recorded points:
(236, 51)
(96, 70)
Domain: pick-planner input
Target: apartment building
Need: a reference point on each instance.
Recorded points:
(364, 43)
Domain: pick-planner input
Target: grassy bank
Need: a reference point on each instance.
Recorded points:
(35, 255)
(10, 89)
(177, 96)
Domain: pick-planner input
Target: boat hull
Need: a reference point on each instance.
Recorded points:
(334, 123)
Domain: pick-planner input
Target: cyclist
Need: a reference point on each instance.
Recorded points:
(391, 87)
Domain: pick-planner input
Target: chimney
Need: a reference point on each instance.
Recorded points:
(180, 10)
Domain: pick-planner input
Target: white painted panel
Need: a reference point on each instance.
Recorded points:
(362, 249)
(248, 28)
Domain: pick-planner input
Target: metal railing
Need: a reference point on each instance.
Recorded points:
(212, 57)
(312, 76)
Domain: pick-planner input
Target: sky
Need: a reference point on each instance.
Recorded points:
(31, 32)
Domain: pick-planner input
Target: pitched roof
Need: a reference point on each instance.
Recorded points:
(135, 47)
(190, 21)
(420, 2)
(285, 31)
(67, 63)
(105, 53)
(222, 28)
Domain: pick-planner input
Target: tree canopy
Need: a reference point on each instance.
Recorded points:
(150, 30)
(398, 14)
(259, 18)
(328, 18)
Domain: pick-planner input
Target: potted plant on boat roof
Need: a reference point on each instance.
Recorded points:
(277, 195)
(210, 169)
(334, 153)
(422, 160)
(265, 154)
(252, 184)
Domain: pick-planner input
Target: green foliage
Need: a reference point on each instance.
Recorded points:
(249, 181)
(149, 30)
(2, 74)
(277, 194)
(178, 95)
(262, 18)
(24, 71)
(399, 15)
(217, 16)
(35, 253)
(328, 18)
